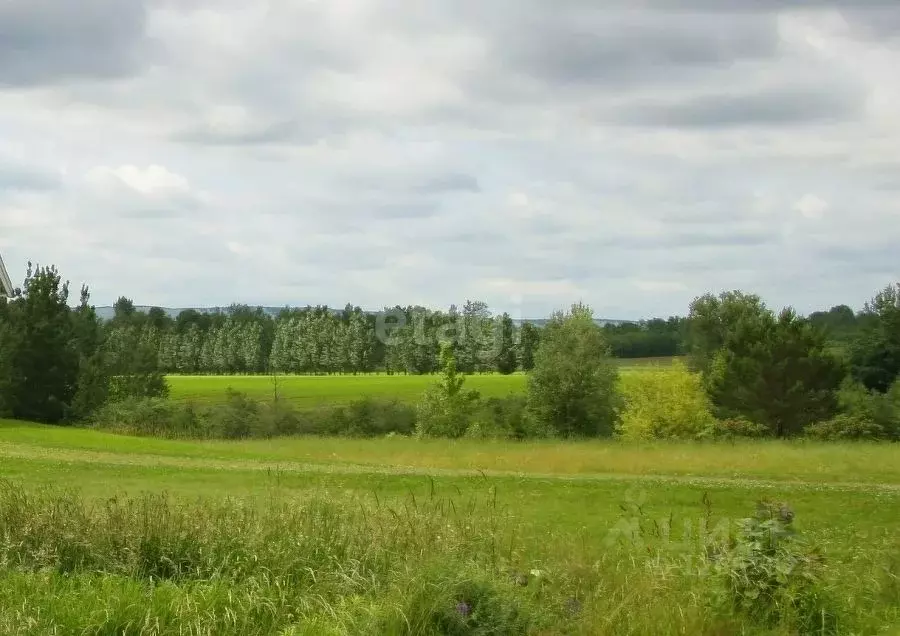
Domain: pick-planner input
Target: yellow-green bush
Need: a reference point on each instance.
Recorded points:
(668, 403)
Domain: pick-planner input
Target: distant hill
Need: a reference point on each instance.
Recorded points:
(107, 312)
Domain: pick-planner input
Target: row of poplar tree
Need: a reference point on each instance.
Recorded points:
(317, 340)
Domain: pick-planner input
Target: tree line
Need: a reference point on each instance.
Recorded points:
(776, 370)
(319, 340)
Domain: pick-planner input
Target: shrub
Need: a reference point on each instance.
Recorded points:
(154, 417)
(372, 418)
(736, 427)
(505, 418)
(668, 403)
(846, 426)
(863, 414)
(441, 415)
(240, 417)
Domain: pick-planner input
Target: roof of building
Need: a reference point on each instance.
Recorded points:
(6, 287)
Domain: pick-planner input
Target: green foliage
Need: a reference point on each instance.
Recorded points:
(529, 340)
(372, 418)
(774, 371)
(767, 574)
(505, 347)
(131, 360)
(864, 414)
(505, 418)
(39, 362)
(671, 403)
(875, 353)
(845, 427)
(446, 410)
(443, 603)
(711, 320)
(239, 417)
(572, 389)
(646, 339)
(737, 428)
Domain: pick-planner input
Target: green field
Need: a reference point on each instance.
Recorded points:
(312, 391)
(378, 524)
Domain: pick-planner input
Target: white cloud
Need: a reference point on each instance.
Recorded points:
(811, 207)
(150, 181)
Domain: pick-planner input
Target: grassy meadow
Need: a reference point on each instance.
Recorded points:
(312, 391)
(107, 534)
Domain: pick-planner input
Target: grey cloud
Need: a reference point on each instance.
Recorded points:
(47, 41)
(257, 134)
(739, 6)
(14, 178)
(511, 167)
(409, 210)
(880, 23)
(600, 45)
(784, 105)
(450, 182)
(879, 258)
(151, 213)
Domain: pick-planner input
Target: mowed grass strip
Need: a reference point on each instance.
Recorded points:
(802, 461)
(542, 508)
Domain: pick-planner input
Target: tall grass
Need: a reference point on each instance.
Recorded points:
(330, 564)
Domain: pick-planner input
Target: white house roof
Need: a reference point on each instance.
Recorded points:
(6, 287)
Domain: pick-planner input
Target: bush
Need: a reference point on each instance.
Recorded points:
(371, 418)
(505, 418)
(239, 417)
(441, 415)
(767, 574)
(737, 427)
(844, 427)
(154, 417)
(667, 404)
(864, 414)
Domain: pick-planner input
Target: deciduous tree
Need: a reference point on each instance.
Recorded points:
(573, 386)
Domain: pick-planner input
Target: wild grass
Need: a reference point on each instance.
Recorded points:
(329, 564)
(108, 534)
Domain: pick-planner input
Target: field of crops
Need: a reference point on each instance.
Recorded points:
(401, 536)
(310, 391)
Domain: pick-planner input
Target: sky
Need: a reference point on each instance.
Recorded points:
(527, 153)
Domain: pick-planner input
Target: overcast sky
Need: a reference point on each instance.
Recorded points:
(529, 153)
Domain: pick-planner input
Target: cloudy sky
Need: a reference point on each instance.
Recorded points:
(529, 153)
